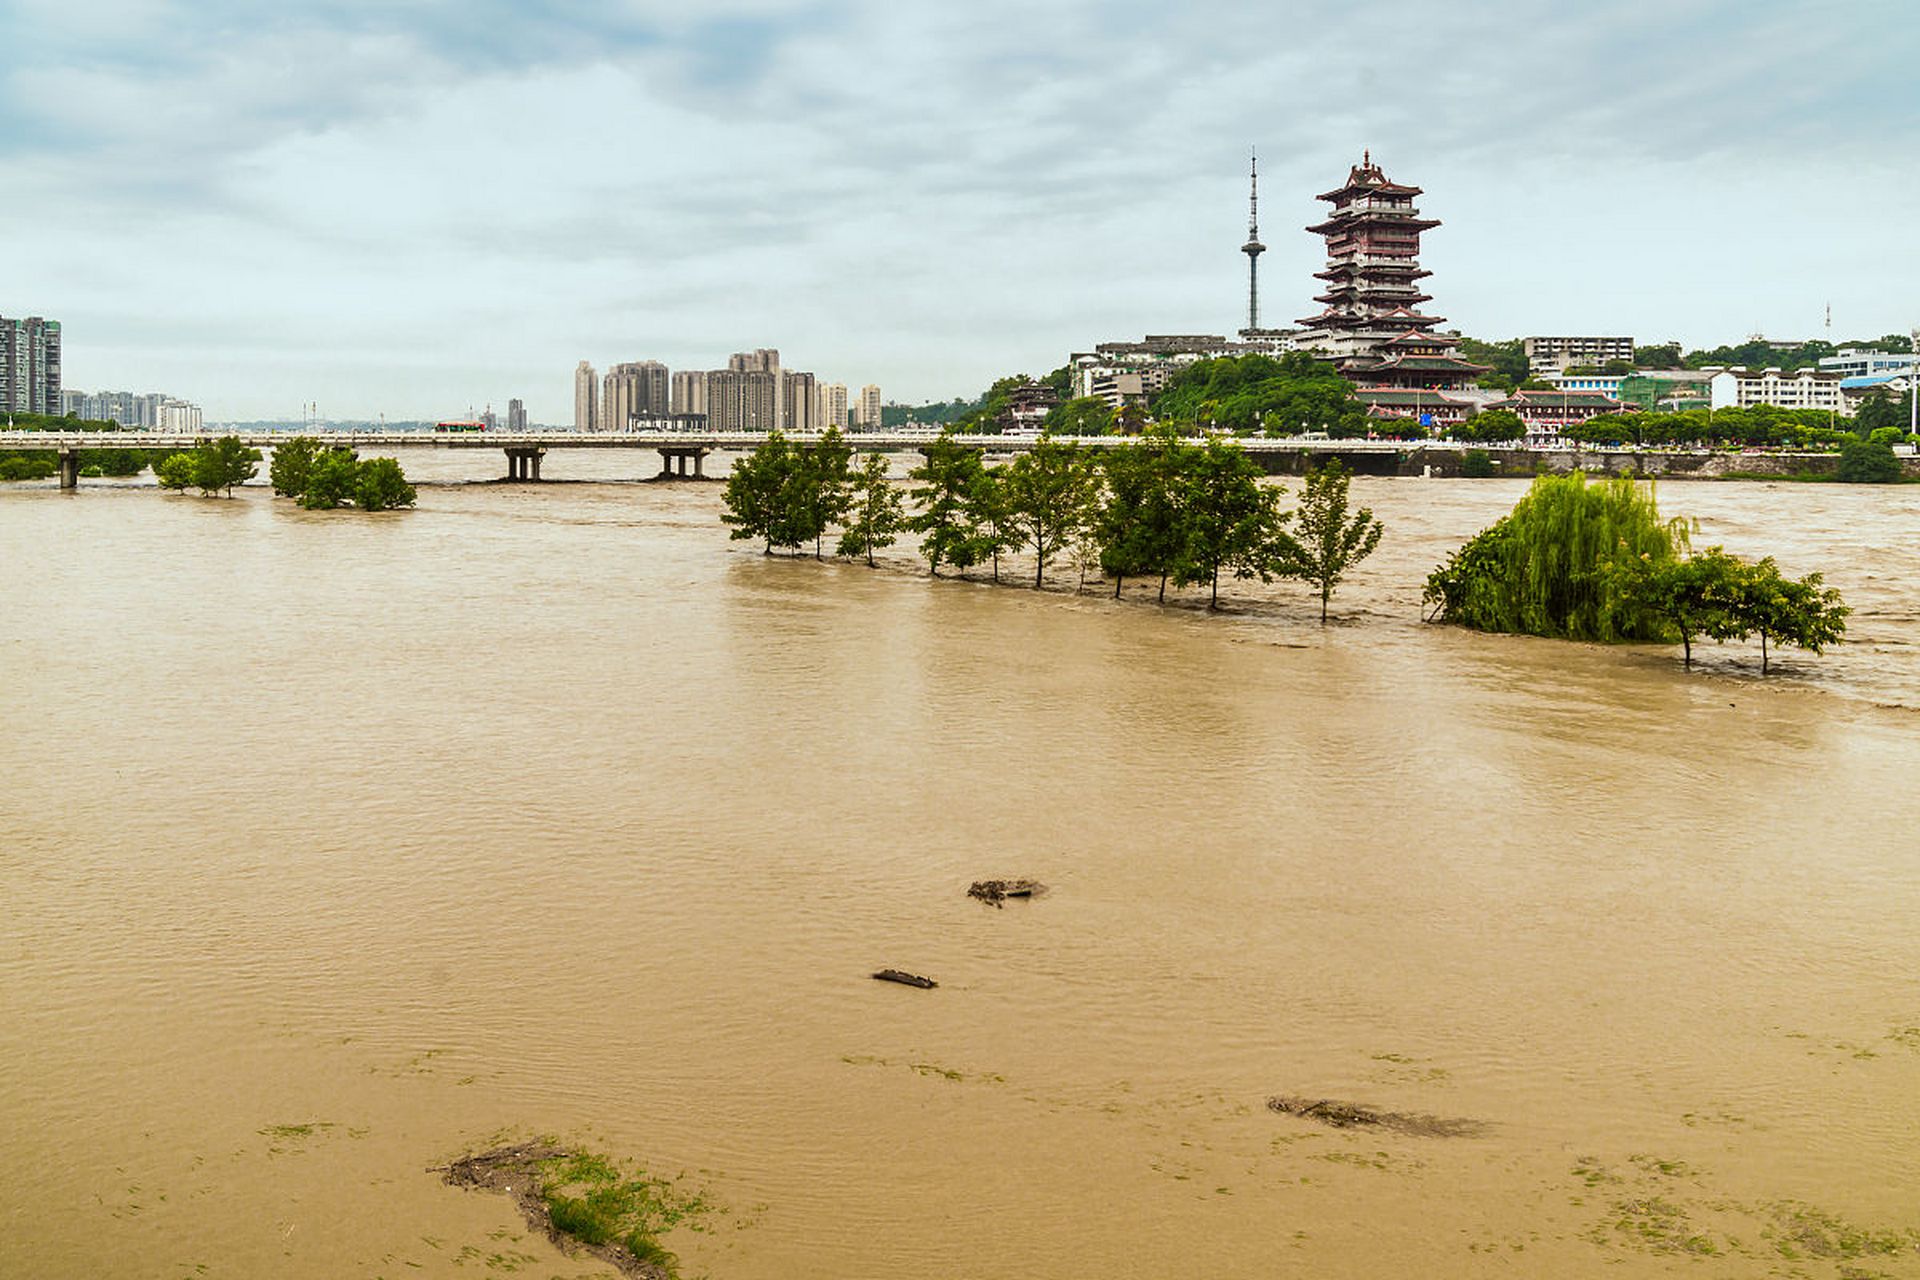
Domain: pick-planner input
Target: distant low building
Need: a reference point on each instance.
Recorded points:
(1028, 404)
(1547, 414)
(1144, 368)
(1665, 390)
(1854, 362)
(1555, 355)
(1741, 388)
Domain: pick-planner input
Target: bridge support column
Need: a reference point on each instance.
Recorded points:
(680, 462)
(69, 468)
(524, 463)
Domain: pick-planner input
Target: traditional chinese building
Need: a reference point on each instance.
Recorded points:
(1372, 326)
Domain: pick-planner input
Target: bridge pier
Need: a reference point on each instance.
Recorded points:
(69, 468)
(674, 460)
(524, 463)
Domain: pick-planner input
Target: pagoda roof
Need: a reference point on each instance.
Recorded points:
(1426, 364)
(1404, 395)
(1414, 337)
(1410, 269)
(1559, 399)
(1366, 177)
(1343, 218)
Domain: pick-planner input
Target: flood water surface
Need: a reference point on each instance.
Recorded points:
(336, 847)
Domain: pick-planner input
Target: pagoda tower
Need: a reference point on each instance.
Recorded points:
(1372, 326)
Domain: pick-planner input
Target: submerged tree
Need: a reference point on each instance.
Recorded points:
(1695, 595)
(1544, 569)
(756, 494)
(382, 486)
(1799, 612)
(331, 481)
(1048, 492)
(1136, 525)
(1329, 543)
(175, 471)
(222, 464)
(1227, 519)
(292, 462)
(946, 476)
(989, 517)
(820, 488)
(877, 511)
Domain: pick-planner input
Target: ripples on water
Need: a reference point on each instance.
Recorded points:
(550, 809)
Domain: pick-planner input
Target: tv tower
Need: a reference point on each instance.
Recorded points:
(1253, 248)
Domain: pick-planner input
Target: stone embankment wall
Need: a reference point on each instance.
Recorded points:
(1420, 460)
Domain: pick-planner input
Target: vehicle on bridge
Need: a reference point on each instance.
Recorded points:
(459, 426)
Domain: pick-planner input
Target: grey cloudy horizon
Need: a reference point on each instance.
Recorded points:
(413, 208)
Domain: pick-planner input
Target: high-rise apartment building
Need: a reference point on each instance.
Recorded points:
(516, 415)
(799, 402)
(742, 400)
(833, 405)
(868, 414)
(689, 393)
(639, 389)
(763, 360)
(586, 398)
(30, 365)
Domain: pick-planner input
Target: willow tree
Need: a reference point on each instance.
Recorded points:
(1544, 569)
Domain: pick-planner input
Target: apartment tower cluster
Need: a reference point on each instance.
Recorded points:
(30, 366)
(754, 392)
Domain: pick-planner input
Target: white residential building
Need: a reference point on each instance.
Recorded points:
(1741, 388)
(178, 415)
(868, 415)
(1854, 362)
(1554, 354)
(833, 404)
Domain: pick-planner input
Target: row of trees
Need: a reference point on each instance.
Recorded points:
(1760, 426)
(1188, 514)
(321, 479)
(1595, 561)
(211, 467)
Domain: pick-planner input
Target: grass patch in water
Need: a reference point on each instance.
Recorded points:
(590, 1198)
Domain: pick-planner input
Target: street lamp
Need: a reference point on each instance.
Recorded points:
(1913, 387)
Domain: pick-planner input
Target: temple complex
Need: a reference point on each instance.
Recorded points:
(1372, 327)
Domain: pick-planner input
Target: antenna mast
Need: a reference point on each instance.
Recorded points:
(1253, 248)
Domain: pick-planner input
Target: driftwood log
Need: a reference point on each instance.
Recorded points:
(1351, 1115)
(997, 892)
(905, 979)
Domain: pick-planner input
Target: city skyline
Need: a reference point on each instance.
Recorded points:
(316, 206)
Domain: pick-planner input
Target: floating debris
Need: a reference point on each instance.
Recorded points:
(997, 892)
(1351, 1115)
(906, 979)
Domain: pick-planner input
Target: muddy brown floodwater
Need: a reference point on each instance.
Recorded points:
(333, 848)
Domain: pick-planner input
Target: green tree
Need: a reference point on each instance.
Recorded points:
(1049, 496)
(877, 511)
(1546, 568)
(1864, 462)
(757, 492)
(989, 517)
(331, 481)
(946, 476)
(1491, 426)
(1665, 355)
(820, 488)
(1695, 595)
(292, 463)
(1086, 416)
(1508, 358)
(382, 486)
(1880, 410)
(1137, 526)
(1477, 464)
(1798, 612)
(1227, 519)
(222, 464)
(175, 471)
(1329, 542)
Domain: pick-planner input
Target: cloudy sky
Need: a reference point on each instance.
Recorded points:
(409, 206)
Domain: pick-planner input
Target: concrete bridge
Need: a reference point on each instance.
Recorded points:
(682, 454)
